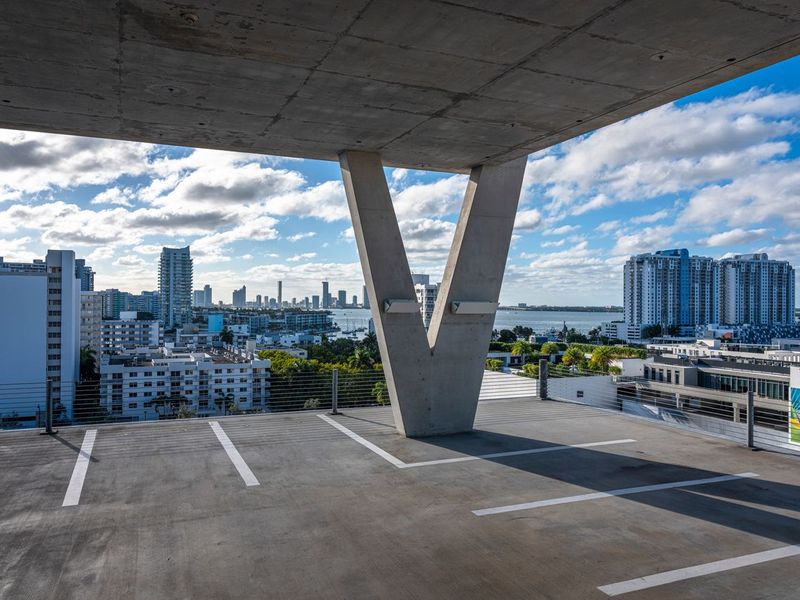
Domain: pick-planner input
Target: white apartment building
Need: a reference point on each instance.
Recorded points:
(91, 320)
(756, 290)
(175, 271)
(129, 331)
(426, 296)
(671, 288)
(140, 386)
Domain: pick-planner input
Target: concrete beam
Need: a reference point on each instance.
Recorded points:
(434, 380)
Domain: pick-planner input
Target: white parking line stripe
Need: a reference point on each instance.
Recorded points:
(73, 495)
(367, 444)
(233, 454)
(643, 583)
(458, 459)
(620, 492)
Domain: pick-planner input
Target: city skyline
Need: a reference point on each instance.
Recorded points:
(715, 173)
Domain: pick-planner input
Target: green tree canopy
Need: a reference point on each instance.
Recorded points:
(550, 348)
(601, 358)
(573, 356)
(521, 347)
(506, 335)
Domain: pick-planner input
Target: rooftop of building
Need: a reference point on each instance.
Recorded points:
(542, 500)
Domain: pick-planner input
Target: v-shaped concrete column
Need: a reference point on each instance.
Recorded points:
(434, 379)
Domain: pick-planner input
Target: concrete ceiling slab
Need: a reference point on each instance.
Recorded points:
(440, 84)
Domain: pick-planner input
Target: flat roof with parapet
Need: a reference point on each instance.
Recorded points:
(544, 500)
(431, 84)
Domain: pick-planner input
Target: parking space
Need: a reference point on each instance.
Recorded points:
(543, 500)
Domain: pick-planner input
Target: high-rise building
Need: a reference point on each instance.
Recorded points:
(198, 298)
(115, 301)
(258, 300)
(280, 293)
(355, 300)
(672, 289)
(58, 323)
(85, 274)
(420, 279)
(755, 290)
(660, 287)
(147, 302)
(240, 297)
(365, 297)
(315, 302)
(91, 319)
(342, 299)
(23, 353)
(703, 291)
(326, 298)
(175, 272)
(208, 300)
(426, 296)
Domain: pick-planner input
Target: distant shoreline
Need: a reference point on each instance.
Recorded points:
(546, 308)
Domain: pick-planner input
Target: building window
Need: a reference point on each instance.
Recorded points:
(133, 405)
(677, 377)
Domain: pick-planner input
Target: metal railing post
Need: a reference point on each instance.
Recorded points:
(48, 409)
(543, 362)
(751, 418)
(335, 392)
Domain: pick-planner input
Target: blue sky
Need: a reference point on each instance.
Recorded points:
(717, 172)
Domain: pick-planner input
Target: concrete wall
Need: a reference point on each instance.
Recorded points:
(23, 343)
(594, 391)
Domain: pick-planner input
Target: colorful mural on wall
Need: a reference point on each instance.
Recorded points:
(794, 406)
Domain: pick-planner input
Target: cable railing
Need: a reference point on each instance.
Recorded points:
(758, 421)
(120, 398)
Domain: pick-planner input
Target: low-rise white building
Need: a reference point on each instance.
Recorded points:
(163, 384)
(129, 331)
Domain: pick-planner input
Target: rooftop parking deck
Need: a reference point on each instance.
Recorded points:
(543, 500)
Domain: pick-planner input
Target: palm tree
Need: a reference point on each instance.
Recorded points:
(88, 364)
(602, 357)
(360, 359)
(573, 356)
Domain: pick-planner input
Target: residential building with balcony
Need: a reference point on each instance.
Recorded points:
(157, 385)
(130, 331)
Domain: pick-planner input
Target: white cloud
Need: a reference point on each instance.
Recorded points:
(651, 218)
(608, 226)
(643, 240)
(299, 257)
(325, 201)
(301, 236)
(114, 195)
(33, 162)
(666, 150)
(437, 198)
(528, 220)
(733, 237)
(564, 229)
(773, 192)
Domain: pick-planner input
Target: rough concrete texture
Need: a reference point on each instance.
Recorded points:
(164, 514)
(434, 380)
(431, 84)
